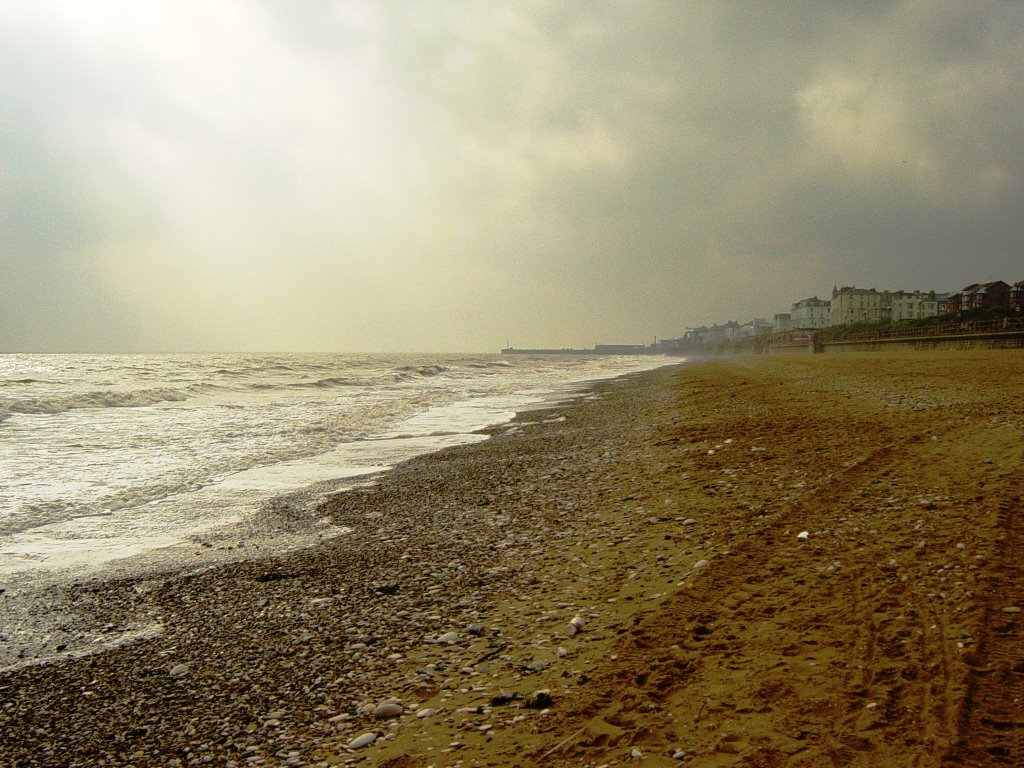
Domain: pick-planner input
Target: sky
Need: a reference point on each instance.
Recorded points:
(447, 175)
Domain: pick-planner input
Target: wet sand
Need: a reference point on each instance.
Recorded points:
(759, 561)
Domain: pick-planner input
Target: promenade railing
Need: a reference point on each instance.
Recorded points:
(964, 328)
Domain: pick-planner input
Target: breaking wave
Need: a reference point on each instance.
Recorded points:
(412, 371)
(97, 399)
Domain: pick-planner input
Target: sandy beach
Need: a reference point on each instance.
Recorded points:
(754, 561)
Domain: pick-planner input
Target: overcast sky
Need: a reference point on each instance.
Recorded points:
(435, 175)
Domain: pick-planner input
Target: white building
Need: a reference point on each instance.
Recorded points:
(855, 305)
(867, 305)
(811, 313)
(918, 305)
(782, 322)
(756, 327)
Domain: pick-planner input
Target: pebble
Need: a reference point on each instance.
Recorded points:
(179, 670)
(701, 564)
(1012, 609)
(540, 700)
(361, 741)
(574, 626)
(803, 536)
(449, 638)
(390, 708)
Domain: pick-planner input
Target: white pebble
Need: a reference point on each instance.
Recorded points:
(362, 741)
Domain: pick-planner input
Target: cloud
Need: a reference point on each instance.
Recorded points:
(437, 175)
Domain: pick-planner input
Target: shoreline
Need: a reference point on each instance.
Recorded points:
(289, 522)
(642, 507)
(68, 506)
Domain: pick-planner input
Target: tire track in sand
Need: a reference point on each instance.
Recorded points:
(991, 721)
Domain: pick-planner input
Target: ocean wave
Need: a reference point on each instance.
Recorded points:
(207, 387)
(330, 382)
(327, 383)
(255, 369)
(412, 371)
(490, 364)
(41, 512)
(96, 399)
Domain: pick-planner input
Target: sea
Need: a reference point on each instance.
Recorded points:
(160, 459)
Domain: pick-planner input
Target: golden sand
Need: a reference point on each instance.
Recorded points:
(861, 521)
